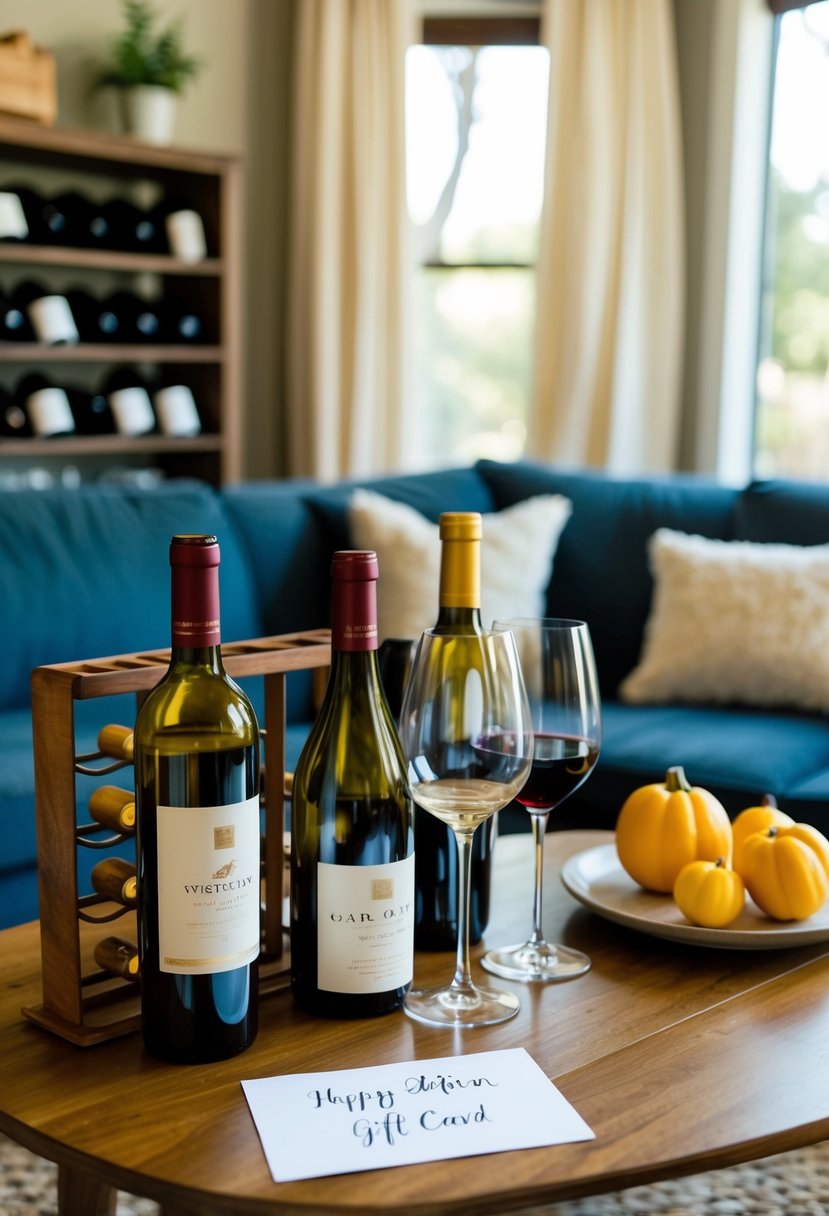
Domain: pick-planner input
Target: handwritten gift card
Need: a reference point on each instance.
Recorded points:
(315, 1124)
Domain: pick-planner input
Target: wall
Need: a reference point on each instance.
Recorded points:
(238, 103)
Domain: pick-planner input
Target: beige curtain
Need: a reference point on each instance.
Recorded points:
(348, 243)
(610, 285)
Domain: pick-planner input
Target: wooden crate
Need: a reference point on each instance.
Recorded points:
(81, 1003)
(28, 79)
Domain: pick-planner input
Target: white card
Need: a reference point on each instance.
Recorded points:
(315, 1124)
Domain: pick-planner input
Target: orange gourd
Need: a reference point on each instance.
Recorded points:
(756, 819)
(662, 827)
(709, 893)
(786, 870)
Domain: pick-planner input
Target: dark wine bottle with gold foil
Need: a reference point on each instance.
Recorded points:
(352, 838)
(436, 852)
(198, 835)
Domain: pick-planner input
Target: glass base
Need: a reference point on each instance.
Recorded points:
(461, 1007)
(536, 962)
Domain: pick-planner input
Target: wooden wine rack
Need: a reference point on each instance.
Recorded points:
(81, 1003)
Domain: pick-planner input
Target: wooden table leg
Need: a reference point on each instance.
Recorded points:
(79, 1194)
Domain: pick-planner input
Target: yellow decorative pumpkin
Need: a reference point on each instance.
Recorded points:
(662, 827)
(786, 870)
(709, 893)
(756, 819)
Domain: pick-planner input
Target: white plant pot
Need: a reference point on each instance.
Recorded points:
(149, 112)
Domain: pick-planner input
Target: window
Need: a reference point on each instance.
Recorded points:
(792, 414)
(476, 103)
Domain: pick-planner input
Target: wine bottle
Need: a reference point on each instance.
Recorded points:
(436, 853)
(352, 837)
(129, 400)
(178, 322)
(14, 323)
(13, 421)
(175, 409)
(113, 808)
(138, 319)
(117, 741)
(197, 806)
(46, 407)
(118, 956)
(97, 320)
(85, 222)
(130, 227)
(44, 219)
(91, 411)
(183, 230)
(115, 879)
(49, 314)
(13, 226)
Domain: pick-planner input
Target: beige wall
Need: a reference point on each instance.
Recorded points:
(238, 103)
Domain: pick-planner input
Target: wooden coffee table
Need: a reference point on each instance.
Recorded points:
(680, 1058)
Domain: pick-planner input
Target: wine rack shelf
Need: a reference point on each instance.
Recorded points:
(119, 166)
(81, 1002)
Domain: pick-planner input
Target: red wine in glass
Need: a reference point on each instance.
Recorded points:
(560, 764)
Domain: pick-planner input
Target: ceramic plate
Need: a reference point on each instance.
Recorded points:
(597, 880)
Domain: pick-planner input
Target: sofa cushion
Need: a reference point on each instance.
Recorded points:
(286, 550)
(88, 572)
(428, 493)
(734, 621)
(786, 512)
(517, 554)
(601, 572)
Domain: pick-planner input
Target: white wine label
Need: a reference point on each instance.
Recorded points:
(185, 234)
(208, 887)
(52, 320)
(50, 412)
(365, 926)
(12, 217)
(176, 410)
(132, 410)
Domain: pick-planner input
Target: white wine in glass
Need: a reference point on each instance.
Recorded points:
(465, 729)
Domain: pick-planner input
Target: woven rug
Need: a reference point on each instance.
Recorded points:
(792, 1184)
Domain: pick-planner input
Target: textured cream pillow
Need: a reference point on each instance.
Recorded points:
(517, 553)
(733, 621)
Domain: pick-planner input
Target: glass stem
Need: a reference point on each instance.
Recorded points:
(539, 822)
(463, 970)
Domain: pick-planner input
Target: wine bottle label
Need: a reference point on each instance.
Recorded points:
(176, 410)
(208, 887)
(50, 412)
(132, 410)
(365, 926)
(185, 235)
(13, 224)
(52, 320)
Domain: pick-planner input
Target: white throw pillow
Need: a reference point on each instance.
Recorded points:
(517, 552)
(733, 621)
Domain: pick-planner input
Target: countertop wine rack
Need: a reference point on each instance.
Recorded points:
(81, 1002)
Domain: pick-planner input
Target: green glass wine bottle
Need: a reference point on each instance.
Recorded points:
(196, 751)
(436, 853)
(352, 832)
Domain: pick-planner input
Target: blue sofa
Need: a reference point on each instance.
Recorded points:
(84, 573)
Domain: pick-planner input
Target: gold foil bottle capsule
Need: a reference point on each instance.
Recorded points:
(118, 956)
(116, 879)
(116, 741)
(113, 808)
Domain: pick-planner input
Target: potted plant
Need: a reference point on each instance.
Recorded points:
(149, 68)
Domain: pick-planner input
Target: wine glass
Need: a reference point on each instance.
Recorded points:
(466, 734)
(560, 675)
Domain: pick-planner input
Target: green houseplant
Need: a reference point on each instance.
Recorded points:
(148, 67)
